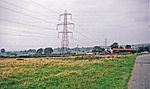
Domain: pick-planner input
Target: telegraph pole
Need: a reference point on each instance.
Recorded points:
(65, 23)
(106, 43)
(77, 49)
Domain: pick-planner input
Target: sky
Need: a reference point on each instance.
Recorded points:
(27, 24)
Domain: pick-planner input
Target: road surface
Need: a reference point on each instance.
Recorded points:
(140, 78)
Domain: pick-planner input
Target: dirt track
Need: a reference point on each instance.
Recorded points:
(140, 78)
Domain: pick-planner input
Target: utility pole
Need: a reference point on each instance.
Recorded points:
(77, 49)
(65, 23)
(105, 43)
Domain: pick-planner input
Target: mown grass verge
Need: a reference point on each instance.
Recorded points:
(79, 73)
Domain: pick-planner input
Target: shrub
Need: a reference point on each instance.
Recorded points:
(108, 57)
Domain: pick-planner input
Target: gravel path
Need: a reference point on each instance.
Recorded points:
(140, 78)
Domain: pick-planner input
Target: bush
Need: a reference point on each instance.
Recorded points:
(108, 57)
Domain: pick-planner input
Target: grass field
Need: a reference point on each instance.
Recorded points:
(96, 72)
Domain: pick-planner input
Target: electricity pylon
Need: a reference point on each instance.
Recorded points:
(65, 23)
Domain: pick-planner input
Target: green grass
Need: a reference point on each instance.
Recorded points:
(99, 74)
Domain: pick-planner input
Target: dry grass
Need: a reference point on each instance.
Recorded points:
(9, 65)
(35, 71)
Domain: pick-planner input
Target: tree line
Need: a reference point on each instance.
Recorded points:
(46, 51)
(99, 49)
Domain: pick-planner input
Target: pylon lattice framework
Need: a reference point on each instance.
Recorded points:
(65, 23)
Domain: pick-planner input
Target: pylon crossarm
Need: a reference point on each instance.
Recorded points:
(71, 24)
(70, 32)
(60, 16)
(59, 33)
(59, 25)
(70, 15)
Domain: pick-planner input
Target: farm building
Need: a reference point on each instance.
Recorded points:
(120, 50)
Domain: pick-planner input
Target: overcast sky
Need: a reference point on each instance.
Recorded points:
(26, 24)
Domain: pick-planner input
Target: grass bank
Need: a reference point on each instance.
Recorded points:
(98, 72)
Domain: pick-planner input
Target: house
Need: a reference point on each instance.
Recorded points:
(121, 50)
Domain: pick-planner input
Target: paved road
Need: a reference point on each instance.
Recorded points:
(140, 78)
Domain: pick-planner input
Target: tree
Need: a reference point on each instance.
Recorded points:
(128, 47)
(2, 50)
(114, 45)
(121, 47)
(142, 49)
(48, 51)
(98, 49)
(31, 50)
(39, 52)
(147, 48)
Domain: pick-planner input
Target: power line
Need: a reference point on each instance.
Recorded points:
(20, 7)
(81, 41)
(42, 6)
(25, 14)
(25, 24)
(30, 36)
(36, 33)
(85, 35)
(77, 41)
(39, 18)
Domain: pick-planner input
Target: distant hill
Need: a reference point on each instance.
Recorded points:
(140, 45)
(136, 46)
(88, 49)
